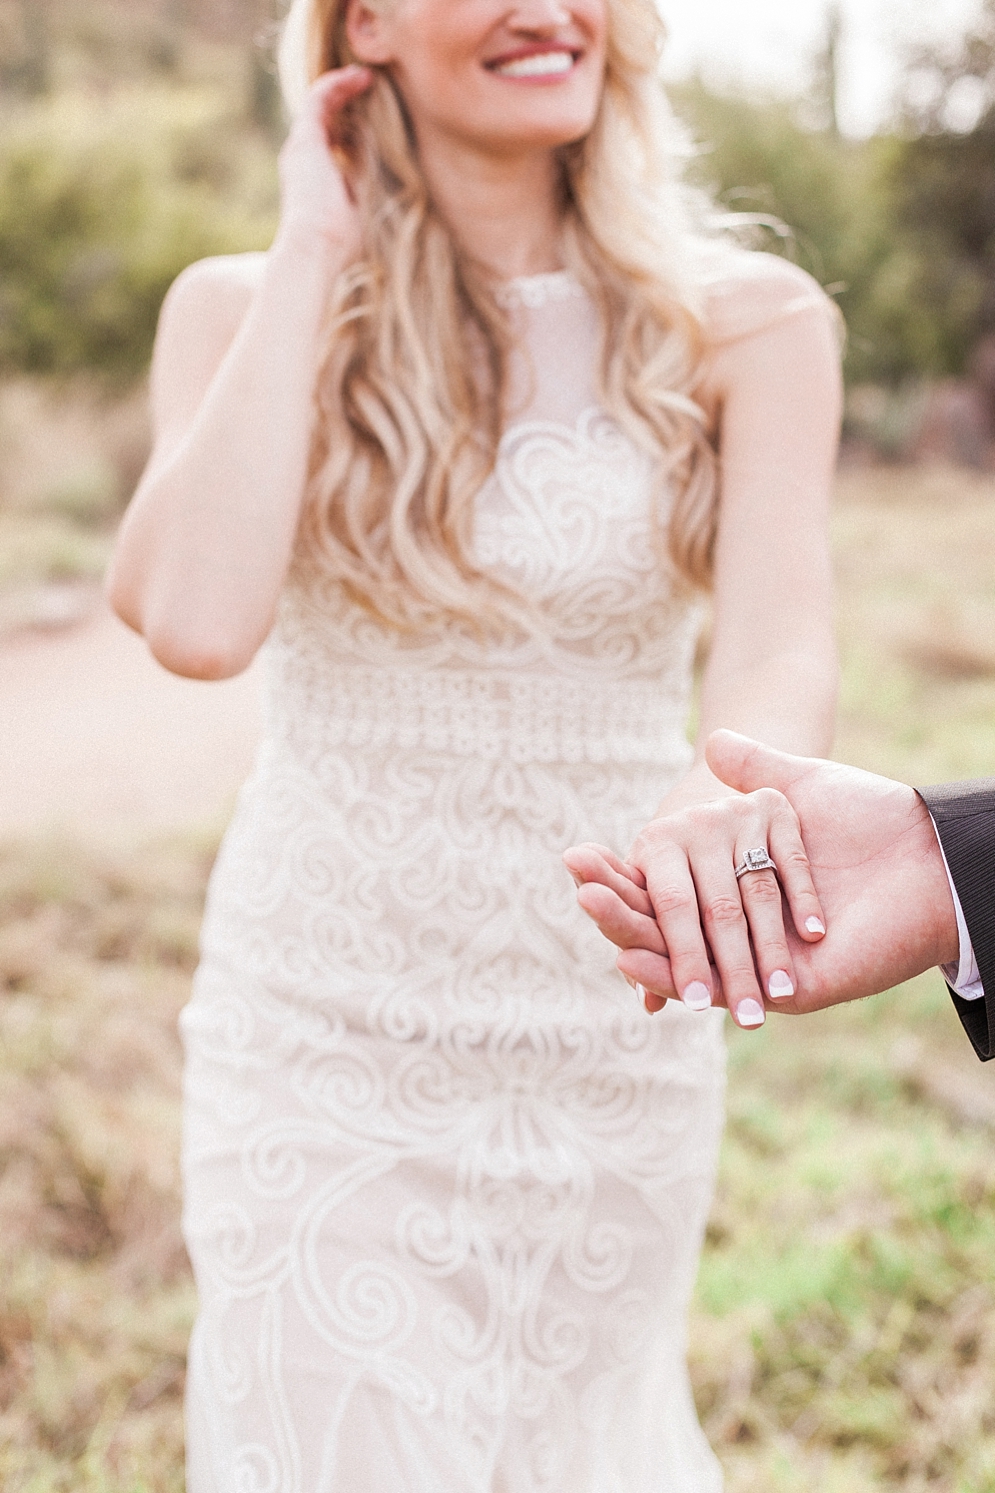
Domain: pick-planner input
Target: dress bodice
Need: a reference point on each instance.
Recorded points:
(570, 518)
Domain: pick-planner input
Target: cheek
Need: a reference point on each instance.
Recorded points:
(593, 17)
(435, 59)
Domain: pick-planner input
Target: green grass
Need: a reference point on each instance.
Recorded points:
(843, 1333)
(915, 554)
(845, 1305)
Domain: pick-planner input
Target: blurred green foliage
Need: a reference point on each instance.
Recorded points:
(945, 202)
(899, 227)
(103, 201)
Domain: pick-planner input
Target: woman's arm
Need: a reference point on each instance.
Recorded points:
(771, 670)
(772, 661)
(206, 542)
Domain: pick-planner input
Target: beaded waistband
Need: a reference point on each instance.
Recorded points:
(486, 713)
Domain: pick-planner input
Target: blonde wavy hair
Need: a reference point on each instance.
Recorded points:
(413, 376)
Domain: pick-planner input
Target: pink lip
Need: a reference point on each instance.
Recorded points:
(533, 49)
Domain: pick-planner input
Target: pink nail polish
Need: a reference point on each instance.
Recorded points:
(750, 1013)
(697, 997)
(780, 986)
(815, 925)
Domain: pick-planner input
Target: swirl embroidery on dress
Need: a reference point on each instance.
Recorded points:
(433, 1150)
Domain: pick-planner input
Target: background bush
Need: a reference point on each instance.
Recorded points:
(102, 204)
(899, 227)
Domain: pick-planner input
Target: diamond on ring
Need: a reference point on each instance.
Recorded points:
(755, 860)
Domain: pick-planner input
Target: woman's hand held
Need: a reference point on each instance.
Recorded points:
(689, 861)
(315, 200)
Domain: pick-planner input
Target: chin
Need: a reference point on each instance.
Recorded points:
(539, 130)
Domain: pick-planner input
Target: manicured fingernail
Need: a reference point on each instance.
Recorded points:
(640, 994)
(780, 985)
(697, 997)
(815, 925)
(750, 1013)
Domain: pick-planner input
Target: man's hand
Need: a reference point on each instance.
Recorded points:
(875, 861)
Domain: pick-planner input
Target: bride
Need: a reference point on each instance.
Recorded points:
(464, 450)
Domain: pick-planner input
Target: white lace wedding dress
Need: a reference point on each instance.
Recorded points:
(445, 1180)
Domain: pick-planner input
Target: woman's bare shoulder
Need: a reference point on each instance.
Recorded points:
(199, 321)
(212, 293)
(751, 293)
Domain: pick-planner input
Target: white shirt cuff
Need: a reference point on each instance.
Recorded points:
(963, 977)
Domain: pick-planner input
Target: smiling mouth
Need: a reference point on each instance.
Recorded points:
(536, 65)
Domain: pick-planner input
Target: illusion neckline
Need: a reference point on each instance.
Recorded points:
(538, 290)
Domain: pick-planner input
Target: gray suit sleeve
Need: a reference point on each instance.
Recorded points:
(964, 815)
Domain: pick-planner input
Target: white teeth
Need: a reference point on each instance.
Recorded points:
(539, 65)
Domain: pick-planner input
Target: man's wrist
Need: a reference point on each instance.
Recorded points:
(935, 895)
(961, 973)
(959, 968)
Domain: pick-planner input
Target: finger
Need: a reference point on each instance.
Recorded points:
(760, 893)
(595, 864)
(332, 92)
(627, 930)
(746, 765)
(652, 976)
(788, 852)
(623, 927)
(602, 852)
(675, 903)
(630, 872)
(334, 88)
(728, 932)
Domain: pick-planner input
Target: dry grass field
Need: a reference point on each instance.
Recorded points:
(844, 1329)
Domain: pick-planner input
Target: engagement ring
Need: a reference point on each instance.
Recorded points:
(755, 860)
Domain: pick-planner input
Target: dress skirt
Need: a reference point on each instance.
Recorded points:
(445, 1181)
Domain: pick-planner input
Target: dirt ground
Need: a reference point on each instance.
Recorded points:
(96, 739)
